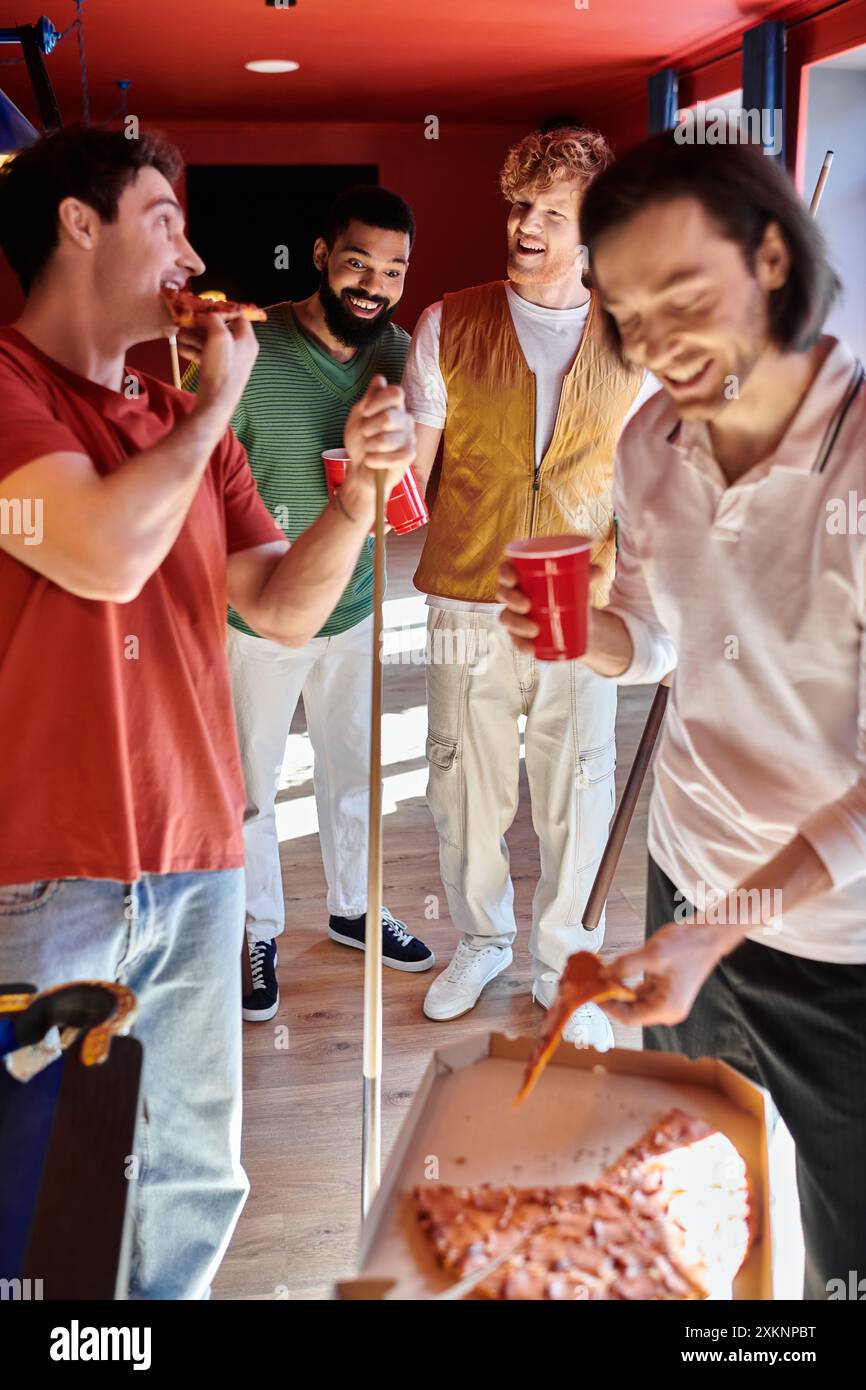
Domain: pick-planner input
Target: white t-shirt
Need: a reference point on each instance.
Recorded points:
(549, 340)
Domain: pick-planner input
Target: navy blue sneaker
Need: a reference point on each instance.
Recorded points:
(264, 1001)
(400, 949)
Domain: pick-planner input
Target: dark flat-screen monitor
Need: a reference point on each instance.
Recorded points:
(242, 215)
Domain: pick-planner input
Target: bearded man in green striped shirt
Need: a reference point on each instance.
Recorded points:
(316, 359)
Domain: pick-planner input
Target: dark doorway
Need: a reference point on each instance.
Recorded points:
(241, 214)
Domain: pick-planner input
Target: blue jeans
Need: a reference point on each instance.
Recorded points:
(175, 941)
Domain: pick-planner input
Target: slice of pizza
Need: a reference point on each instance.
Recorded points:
(469, 1227)
(671, 1218)
(185, 307)
(600, 1249)
(693, 1176)
(582, 982)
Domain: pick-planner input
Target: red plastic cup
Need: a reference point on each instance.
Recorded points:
(336, 462)
(405, 509)
(553, 572)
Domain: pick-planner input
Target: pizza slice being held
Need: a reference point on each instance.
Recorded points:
(583, 982)
(186, 307)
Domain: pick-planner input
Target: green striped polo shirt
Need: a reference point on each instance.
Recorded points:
(295, 406)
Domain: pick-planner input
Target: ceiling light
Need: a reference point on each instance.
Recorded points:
(272, 65)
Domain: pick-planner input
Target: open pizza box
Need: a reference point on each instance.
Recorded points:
(587, 1108)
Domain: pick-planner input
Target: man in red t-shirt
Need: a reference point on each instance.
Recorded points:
(128, 519)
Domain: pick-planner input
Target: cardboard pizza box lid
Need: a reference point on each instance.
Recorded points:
(587, 1108)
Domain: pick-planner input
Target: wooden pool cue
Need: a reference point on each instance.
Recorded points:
(625, 810)
(246, 967)
(822, 179)
(371, 1135)
(175, 361)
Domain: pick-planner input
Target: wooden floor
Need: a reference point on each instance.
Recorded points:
(302, 1070)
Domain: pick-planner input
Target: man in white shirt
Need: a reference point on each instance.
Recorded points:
(743, 557)
(518, 377)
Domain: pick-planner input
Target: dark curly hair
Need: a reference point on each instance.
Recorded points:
(372, 205)
(94, 166)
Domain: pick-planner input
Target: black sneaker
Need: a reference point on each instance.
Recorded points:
(400, 949)
(264, 1001)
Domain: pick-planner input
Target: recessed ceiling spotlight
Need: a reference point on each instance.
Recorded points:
(272, 65)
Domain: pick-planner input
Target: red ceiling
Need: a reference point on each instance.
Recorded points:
(369, 60)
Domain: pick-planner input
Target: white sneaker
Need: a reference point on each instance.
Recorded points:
(456, 990)
(589, 1026)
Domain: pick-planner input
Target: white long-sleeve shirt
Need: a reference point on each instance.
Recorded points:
(757, 593)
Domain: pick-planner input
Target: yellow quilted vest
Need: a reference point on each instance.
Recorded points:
(489, 492)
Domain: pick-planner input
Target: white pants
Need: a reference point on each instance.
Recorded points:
(334, 675)
(478, 684)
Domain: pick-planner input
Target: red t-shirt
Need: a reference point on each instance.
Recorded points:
(118, 750)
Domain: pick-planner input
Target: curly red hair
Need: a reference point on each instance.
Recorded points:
(539, 160)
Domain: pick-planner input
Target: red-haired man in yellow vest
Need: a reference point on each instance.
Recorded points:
(531, 402)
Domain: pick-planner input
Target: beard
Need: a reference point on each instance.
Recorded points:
(346, 327)
(555, 266)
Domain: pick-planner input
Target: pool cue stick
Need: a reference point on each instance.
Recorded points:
(246, 967)
(175, 361)
(371, 1135)
(822, 179)
(625, 810)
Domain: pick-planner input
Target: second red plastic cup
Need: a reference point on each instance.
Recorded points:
(405, 509)
(553, 572)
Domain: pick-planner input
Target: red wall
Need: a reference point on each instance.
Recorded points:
(451, 183)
